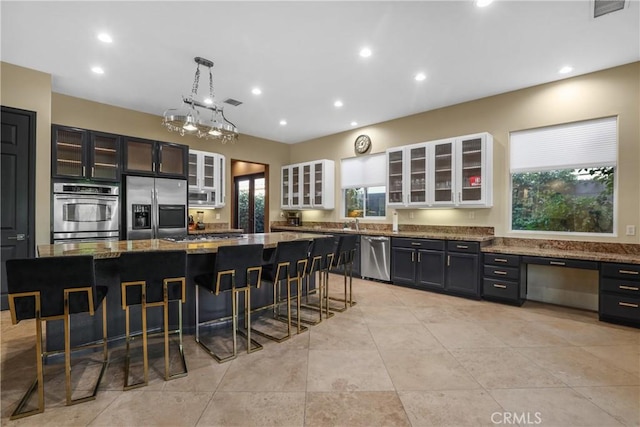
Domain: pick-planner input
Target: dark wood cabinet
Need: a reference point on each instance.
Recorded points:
(418, 262)
(462, 272)
(155, 158)
(83, 154)
(619, 299)
(504, 278)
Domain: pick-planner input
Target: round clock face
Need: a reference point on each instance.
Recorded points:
(362, 144)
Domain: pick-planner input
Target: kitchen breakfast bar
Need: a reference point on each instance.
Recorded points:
(200, 260)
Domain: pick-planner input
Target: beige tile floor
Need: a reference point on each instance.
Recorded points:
(399, 357)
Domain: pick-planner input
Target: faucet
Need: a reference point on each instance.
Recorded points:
(357, 221)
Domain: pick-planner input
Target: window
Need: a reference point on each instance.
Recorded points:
(363, 186)
(563, 178)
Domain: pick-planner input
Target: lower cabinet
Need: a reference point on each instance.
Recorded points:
(462, 268)
(620, 292)
(504, 278)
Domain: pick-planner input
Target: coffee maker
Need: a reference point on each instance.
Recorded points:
(293, 219)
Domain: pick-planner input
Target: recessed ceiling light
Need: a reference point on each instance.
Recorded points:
(354, 123)
(420, 77)
(566, 69)
(483, 3)
(365, 52)
(256, 91)
(338, 104)
(97, 70)
(104, 37)
(283, 122)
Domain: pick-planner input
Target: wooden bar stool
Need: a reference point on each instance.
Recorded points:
(236, 269)
(321, 254)
(153, 279)
(344, 256)
(54, 288)
(288, 265)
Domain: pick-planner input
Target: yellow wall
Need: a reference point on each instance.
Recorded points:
(31, 90)
(612, 92)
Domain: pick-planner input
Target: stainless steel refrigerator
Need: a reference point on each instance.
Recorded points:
(155, 207)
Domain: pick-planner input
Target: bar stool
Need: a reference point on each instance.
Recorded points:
(233, 271)
(344, 256)
(289, 265)
(320, 259)
(153, 279)
(54, 288)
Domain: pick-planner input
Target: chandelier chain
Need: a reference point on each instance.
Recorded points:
(196, 82)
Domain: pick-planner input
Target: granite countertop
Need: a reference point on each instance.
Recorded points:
(101, 250)
(589, 251)
(441, 235)
(216, 231)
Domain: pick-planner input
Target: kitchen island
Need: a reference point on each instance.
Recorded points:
(200, 260)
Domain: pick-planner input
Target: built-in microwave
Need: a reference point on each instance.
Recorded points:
(202, 198)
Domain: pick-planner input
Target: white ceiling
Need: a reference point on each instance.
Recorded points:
(304, 55)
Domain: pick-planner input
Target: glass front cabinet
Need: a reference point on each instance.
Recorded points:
(454, 172)
(206, 172)
(308, 185)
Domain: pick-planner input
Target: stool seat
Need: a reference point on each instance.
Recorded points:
(54, 288)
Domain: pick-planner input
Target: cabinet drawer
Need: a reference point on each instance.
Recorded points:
(561, 262)
(462, 246)
(501, 272)
(621, 271)
(627, 287)
(437, 245)
(620, 306)
(500, 289)
(500, 259)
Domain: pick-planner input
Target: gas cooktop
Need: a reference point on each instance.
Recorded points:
(205, 237)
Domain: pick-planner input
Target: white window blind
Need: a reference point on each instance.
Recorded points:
(364, 171)
(577, 145)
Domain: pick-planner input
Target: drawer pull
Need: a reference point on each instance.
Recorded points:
(416, 244)
(629, 288)
(628, 272)
(499, 272)
(499, 286)
(467, 247)
(499, 260)
(628, 304)
(556, 263)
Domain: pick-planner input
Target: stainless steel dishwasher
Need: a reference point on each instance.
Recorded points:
(375, 257)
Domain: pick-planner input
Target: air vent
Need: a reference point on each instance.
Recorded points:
(232, 101)
(602, 7)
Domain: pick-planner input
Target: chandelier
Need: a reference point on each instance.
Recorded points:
(211, 124)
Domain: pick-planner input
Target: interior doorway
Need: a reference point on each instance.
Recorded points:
(250, 196)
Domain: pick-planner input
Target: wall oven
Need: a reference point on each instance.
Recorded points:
(85, 212)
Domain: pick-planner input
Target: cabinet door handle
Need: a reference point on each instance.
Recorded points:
(160, 166)
(419, 256)
(416, 244)
(462, 246)
(628, 304)
(459, 197)
(153, 167)
(635, 273)
(500, 272)
(629, 288)
(84, 170)
(556, 263)
(495, 285)
(93, 171)
(413, 257)
(499, 260)
(448, 260)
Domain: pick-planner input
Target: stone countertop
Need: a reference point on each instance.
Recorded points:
(410, 234)
(102, 250)
(216, 231)
(589, 251)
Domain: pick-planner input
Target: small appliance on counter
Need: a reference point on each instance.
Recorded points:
(200, 218)
(293, 219)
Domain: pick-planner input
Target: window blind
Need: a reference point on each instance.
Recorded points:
(585, 144)
(364, 171)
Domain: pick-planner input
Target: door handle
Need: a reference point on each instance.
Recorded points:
(419, 257)
(413, 257)
(628, 272)
(19, 236)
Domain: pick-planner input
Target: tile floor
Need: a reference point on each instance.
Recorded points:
(399, 357)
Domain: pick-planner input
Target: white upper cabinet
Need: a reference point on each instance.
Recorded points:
(455, 172)
(308, 185)
(206, 179)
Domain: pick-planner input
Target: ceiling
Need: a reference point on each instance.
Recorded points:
(304, 55)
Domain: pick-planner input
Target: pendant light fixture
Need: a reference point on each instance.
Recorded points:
(212, 124)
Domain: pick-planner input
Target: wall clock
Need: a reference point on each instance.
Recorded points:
(362, 144)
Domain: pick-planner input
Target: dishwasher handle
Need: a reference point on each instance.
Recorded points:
(376, 239)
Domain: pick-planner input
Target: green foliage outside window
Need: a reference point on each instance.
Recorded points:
(570, 200)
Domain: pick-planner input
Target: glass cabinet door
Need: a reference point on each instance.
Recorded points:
(285, 187)
(295, 186)
(317, 184)
(105, 155)
(471, 170)
(395, 178)
(139, 155)
(171, 159)
(418, 175)
(192, 173)
(306, 185)
(69, 146)
(208, 171)
(443, 173)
